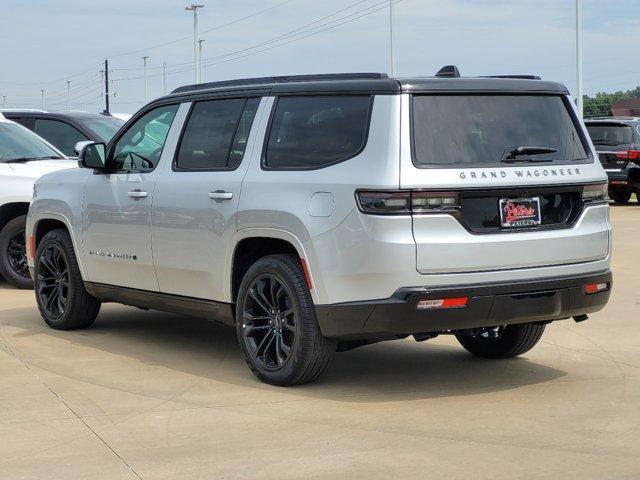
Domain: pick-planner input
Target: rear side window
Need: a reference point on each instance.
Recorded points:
(314, 132)
(482, 129)
(216, 134)
(610, 134)
(60, 134)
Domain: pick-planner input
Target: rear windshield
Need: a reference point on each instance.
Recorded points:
(105, 128)
(610, 134)
(483, 129)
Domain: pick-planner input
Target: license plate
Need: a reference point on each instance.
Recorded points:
(520, 212)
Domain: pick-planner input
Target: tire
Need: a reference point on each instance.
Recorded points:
(13, 253)
(511, 341)
(56, 269)
(621, 197)
(285, 347)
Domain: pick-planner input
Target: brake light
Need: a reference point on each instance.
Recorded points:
(456, 302)
(628, 155)
(595, 193)
(596, 288)
(404, 202)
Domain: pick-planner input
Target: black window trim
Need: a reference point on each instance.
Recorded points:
(574, 119)
(365, 141)
(125, 128)
(174, 161)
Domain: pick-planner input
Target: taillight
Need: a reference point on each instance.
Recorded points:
(628, 155)
(595, 193)
(404, 202)
(385, 203)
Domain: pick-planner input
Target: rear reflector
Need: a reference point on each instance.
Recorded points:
(457, 302)
(32, 246)
(305, 270)
(596, 288)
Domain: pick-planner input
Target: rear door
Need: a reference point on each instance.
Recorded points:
(612, 141)
(196, 200)
(483, 207)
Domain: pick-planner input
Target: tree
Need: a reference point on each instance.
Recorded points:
(600, 105)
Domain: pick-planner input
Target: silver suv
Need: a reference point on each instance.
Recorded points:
(317, 214)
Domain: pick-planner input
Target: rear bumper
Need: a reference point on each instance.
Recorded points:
(488, 305)
(627, 177)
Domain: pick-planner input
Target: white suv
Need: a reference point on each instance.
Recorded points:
(24, 156)
(319, 213)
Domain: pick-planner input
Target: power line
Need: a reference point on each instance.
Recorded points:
(188, 37)
(288, 37)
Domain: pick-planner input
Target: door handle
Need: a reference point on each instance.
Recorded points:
(220, 195)
(137, 194)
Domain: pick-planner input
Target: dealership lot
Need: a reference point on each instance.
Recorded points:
(154, 395)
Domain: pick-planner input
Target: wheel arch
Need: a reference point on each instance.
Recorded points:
(252, 244)
(11, 210)
(43, 224)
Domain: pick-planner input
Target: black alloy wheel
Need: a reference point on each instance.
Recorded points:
(269, 323)
(62, 299)
(13, 253)
(17, 255)
(53, 281)
(276, 323)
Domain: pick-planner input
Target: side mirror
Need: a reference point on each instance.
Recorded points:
(93, 155)
(78, 147)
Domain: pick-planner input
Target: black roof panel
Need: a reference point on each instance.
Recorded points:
(480, 84)
(375, 83)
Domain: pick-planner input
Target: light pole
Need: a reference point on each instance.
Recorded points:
(194, 7)
(200, 42)
(4, 100)
(164, 78)
(144, 59)
(42, 99)
(392, 66)
(579, 56)
(69, 95)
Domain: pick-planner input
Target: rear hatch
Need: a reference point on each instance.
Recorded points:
(613, 141)
(489, 205)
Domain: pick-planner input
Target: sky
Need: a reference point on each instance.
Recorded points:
(44, 44)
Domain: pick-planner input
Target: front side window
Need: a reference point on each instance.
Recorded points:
(60, 134)
(216, 134)
(313, 132)
(140, 147)
(481, 129)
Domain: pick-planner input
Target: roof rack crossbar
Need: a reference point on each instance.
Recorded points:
(283, 79)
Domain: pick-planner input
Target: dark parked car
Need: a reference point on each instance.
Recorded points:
(617, 141)
(65, 129)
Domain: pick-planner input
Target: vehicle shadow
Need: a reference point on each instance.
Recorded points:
(388, 371)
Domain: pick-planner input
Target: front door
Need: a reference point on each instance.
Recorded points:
(117, 206)
(195, 203)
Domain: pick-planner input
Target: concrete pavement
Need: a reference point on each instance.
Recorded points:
(158, 396)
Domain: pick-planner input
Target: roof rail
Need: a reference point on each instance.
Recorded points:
(449, 71)
(283, 79)
(9, 110)
(521, 77)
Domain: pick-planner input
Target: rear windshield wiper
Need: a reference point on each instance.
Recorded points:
(511, 156)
